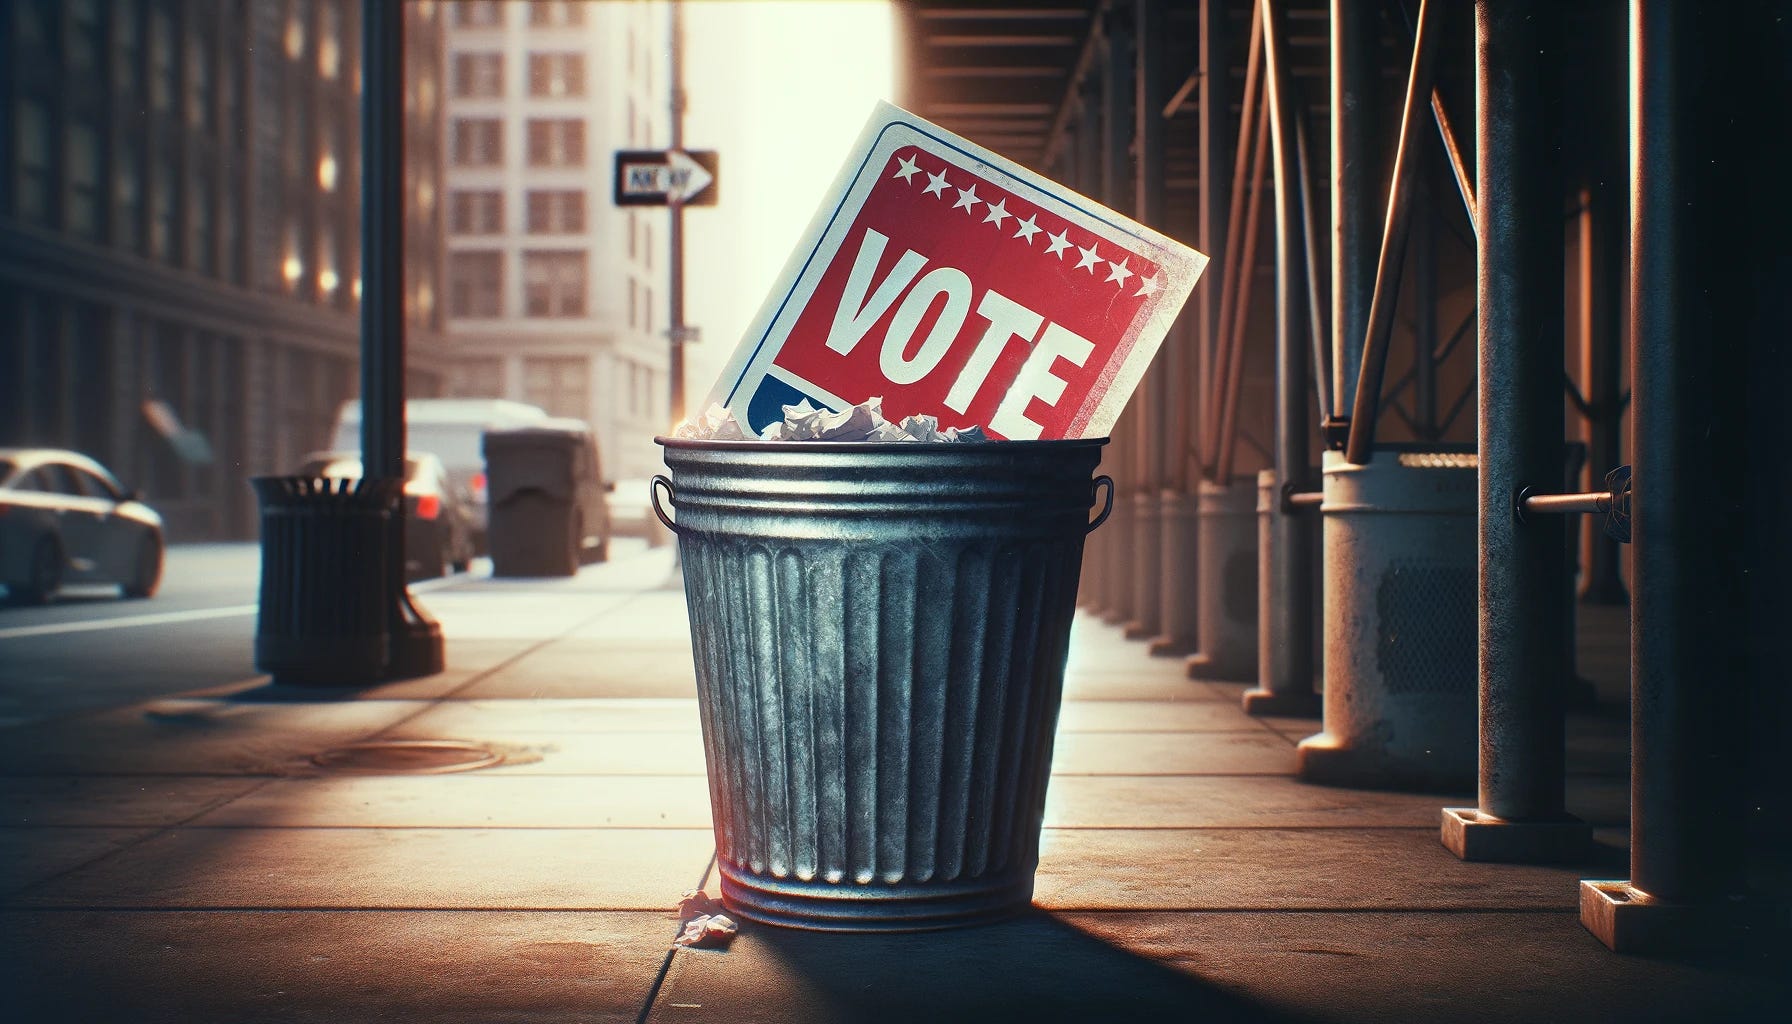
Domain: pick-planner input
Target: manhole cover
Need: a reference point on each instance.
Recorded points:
(407, 757)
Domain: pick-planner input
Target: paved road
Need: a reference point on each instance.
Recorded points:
(91, 649)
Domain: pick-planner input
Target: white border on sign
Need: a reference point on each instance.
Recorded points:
(891, 128)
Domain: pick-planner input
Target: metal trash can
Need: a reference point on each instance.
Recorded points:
(541, 483)
(880, 633)
(1226, 603)
(1401, 643)
(324, 615)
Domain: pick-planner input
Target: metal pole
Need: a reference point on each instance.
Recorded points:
(1602, 302)
(382, 259)
(1285, 652)
(1207, 366)
(1424, 306)
(1214, 198)
(1366, 407)
(1355, 66)
(1523, 635)
(675, 235)
(1316, 257)
(1230, 365)
(1686, 839)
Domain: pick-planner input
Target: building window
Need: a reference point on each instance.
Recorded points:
(553, 284)
(31, 177)
(479, 75)
(479, 141)
(81, 201)
(476, 213)
(476, 378)
(127, 50)
(162, 82)
(127, 196)
(557, 142)
(557, 212)
(634, 303)
(647, 245)
(329, 41)
(475, 283)
(199, 82)
(555, 13)
(82, 46)
(161, 214)
(478, 14)
(556, 74)
(647, 308)
(200, 198)
(559, 384)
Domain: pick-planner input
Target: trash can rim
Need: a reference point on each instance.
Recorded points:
(892, 447)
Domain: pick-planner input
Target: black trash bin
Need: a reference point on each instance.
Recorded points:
(547, 514)
(325, 603)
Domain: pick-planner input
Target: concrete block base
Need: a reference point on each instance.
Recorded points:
(1323, 761)
(1629, 920)
(1203, 666)
(1282, 705)
(1138, 630)
(1474, 836)
(1168, 647)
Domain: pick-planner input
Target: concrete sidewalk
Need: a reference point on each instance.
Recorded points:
(187, 860)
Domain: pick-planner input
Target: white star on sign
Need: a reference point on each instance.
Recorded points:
(1026, 228)
(1089, 259)
(1118, 271)
(998, 212)
(909, 169)
(967, 200)
(936, 185)
(1147, 286)
(1059, 243)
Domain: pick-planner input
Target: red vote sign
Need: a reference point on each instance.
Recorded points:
(954, 283)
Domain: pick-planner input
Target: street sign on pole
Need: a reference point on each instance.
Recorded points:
(953, 283)
(665, 177)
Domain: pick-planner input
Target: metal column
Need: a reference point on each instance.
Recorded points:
(1113, 145)
(1145, 203)
(1180, 606)
(1523, 618)
(1285, 660)
(1602, 300)
(1688, 614)
(1355, 28)
(416, 640)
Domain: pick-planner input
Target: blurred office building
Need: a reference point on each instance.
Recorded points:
(553, 294)
(179, 236)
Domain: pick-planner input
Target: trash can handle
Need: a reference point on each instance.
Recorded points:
(1107, 506)
(653, 489)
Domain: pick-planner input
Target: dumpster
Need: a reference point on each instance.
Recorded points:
(325, 603)
(546, 497)
(880, 633)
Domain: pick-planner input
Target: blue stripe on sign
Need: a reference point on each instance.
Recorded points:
(767, 406)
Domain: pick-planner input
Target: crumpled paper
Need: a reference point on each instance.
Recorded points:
(702, 923)
(804, 422)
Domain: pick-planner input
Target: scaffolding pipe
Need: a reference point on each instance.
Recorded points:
(1315, 259)
(1355, 32)
(1231, 362)
(1285, 651)
(1207, 368)
(1522, 607)
(1386, 293)
(1685, 846)
(1214, 198)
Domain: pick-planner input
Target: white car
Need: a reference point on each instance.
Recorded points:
(65, 519)
(631, 514)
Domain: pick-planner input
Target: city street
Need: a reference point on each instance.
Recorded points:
(92, 650)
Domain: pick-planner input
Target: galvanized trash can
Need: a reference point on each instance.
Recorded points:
(880, 633)
(325, 603)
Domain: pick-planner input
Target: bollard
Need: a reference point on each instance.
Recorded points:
(1147, 566)
(1178, 577)
(1399, 703)
(1285, 610)
(880, 633)
(1227, 604)
(1117, 606)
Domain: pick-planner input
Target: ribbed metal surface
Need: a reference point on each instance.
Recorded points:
(880, 639)
(323, 609)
